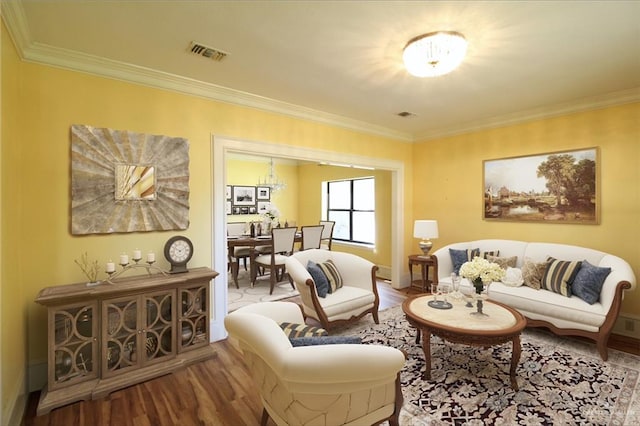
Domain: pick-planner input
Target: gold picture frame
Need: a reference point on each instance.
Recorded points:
(556, 187)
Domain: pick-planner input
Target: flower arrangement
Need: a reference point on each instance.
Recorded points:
(480, 271)
(90, 268)
(272, 213)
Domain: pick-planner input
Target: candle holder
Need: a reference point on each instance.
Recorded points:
(127, 267)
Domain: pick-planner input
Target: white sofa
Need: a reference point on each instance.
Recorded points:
(542, 308)
(339, 384)
(357, 297)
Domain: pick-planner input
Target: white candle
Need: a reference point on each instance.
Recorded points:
(111, 267)
(124, 259)
(151, 257)
(137, 254)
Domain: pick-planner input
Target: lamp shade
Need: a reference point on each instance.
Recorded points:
(425, 229)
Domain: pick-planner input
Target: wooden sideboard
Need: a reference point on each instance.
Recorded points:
(111, 336)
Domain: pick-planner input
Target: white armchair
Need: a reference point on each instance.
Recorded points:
(357, 297)
(341, 384)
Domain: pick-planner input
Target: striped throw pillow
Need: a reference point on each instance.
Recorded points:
(294, 330)
(486, 254)
(333, 276)
(559, 275)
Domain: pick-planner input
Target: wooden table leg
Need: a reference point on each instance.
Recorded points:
(426, 348)
(515, 359)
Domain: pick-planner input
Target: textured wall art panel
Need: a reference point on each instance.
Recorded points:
(123, 181)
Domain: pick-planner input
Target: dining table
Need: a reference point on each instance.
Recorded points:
(253, 243)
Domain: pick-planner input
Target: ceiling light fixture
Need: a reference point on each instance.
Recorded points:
(434, 54)
(272, 180)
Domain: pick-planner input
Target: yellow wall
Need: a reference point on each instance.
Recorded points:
(453, 191)
(310, 206)
(301, 200)
(247, 172)
(13, 319)
(48, 101)
(40, 103)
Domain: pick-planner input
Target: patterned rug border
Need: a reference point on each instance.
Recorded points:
(625, 410)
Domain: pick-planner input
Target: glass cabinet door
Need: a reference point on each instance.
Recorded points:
(120, 335)
(73, 329)
(194, 317)
(159, 332)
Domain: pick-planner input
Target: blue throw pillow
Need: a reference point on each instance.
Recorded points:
(319, 278)
(587, 284)
(325, 340)
(458, 257)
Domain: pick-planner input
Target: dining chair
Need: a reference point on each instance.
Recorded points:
(327, 234)
(237, 229)
(311, 236)
(282, 240)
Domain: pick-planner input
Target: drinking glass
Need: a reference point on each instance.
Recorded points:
(455, 284)
(434, 291)
(444, 290)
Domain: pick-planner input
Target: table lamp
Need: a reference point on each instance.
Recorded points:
(425, 229)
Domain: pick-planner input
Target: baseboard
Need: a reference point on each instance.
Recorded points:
(627, 325)
(384, 272)
(16, 405)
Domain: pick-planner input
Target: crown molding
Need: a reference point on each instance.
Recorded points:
(17, 26)
(16, 23)
(547, 111)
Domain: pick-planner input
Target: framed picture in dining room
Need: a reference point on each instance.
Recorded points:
(263, 206)
(264, 193)
(244, 195)
(228, 192)
(556, 187)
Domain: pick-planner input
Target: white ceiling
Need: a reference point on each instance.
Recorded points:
(340, 61)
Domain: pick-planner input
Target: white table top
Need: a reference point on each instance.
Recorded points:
(498, 318)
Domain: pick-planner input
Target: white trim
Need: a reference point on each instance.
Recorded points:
(16, 23)
(222, 146)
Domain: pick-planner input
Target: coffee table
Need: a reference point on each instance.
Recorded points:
(501, 325)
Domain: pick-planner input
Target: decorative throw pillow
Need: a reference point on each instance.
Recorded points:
(504, 262)
(532, 273)
(486, 254)
(319, 278)
(325, 340)
(588, 282)
(333, 276)
(458, 257)
(293, 330)
(559, 275)
(513, 277)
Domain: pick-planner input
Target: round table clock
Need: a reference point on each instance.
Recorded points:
(178, 251)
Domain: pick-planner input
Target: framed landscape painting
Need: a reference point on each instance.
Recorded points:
(558, 187)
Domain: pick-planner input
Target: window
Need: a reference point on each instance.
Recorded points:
(351, 204)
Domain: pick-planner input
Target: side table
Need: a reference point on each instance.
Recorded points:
(425, 262)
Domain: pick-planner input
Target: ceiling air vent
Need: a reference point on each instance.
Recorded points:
(207, 52)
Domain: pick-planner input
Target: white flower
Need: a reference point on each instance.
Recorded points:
(481, 268)
(272, 213)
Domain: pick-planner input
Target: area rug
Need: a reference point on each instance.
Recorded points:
(562, 380)
(247, 295)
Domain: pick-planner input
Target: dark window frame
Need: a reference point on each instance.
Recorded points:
(351, 208)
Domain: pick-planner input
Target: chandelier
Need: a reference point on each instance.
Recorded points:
(271, 180)
(434, 54)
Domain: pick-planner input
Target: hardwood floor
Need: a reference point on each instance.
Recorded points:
(218, 391)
